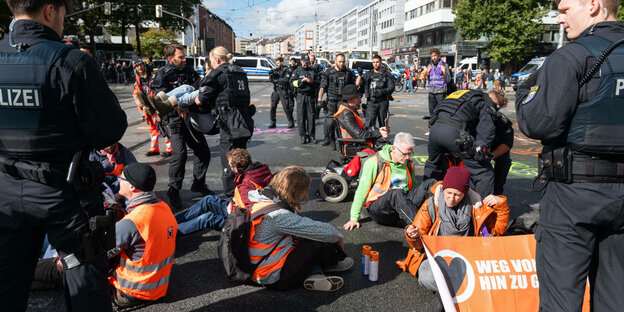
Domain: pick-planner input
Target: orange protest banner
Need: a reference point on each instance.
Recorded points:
(485, 273)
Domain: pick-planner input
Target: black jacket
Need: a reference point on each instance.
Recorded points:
(348, 122)
(381, 95)
(304, 87)
(170, 77)
(547, 114)
(78, 82)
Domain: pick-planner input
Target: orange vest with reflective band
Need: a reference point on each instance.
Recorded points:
(238, 199)
(343, 132)
(382, 182)
(275, 261)
(148, 277)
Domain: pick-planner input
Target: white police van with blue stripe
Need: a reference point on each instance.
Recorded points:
(256, 67)
(518, 78)
(366, 65)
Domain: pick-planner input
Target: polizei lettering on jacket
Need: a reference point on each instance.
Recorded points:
(619, 86)
(20, 97)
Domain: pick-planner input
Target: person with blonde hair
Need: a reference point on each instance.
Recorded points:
(300, 250)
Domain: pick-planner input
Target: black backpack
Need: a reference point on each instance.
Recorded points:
(234, 242)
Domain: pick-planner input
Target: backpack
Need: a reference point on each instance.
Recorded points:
(235, 110)
(234, 243)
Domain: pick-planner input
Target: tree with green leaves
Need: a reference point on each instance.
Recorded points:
(511, 26)
(87, 24)
(155, 40)
(621, 12)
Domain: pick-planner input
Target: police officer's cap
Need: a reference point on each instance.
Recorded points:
(305, 58)
(142, 176)
(349, 91)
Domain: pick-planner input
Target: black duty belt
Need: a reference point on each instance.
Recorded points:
(30, 170)
(597, 170)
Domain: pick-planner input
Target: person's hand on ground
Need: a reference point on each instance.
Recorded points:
(351, 225)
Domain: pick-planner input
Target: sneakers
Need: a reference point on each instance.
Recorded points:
(291, 124)
(312, 140)
(304, 140)
(151, 153)
(272, 125)
(322, 282)
(174, 199)
(199, 187)
(341, 266)
(427, 133)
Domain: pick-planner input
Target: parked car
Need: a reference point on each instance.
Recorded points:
(256, 67)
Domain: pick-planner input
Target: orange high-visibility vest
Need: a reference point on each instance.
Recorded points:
(343, 132)
(382, 182)
(238, 199)
(118, 170)
(275, 261)
(148, 277)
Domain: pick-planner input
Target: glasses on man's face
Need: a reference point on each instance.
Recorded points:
(404, 154)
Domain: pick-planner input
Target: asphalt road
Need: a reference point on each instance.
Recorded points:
(198, 282)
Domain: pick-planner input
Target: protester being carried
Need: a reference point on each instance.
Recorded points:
(300, 249)
(211, 210)
(454, 209)
(386, 185)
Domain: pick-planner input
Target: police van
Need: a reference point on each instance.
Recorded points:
(323, 61)
(367, 65)
(256, 67)
(518, 78)
(471, 64)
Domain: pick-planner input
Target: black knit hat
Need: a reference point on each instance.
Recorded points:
(141, 176)
(349, 91)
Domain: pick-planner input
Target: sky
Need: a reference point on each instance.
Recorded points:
(271, 18)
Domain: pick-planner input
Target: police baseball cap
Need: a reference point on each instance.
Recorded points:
(349, 91)
(305, 58)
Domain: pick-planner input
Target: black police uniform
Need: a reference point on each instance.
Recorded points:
(581, 223)
(53, 103)
(378, 88)
(502, 164)
(226, 92)
(292, 92)
(472, 111)
(281, 89)
(166, 79)
(332, 81)
(305, 102)
(318, 69)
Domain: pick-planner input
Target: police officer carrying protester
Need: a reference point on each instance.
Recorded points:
(503, 142)
(378, 88)
(168, 77)
(332, 82)
(575, 106)
(464, 115)
(438, 74)
(303, 79)
(55, 106)
(280, 76)
(318, 69)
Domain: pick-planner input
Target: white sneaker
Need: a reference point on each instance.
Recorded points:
(322, 282)
(341, 266)
(427, 133)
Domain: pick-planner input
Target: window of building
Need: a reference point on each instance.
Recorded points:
(448, 36)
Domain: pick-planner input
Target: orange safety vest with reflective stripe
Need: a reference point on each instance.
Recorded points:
(257, 250)
(148, 277)
(343, 132)
(238, 199)
(382, 182)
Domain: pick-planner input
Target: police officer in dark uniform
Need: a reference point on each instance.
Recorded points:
(575, 106)
(174, 74)
(55, 106)
(464, 115)
(332, 82)
(503, 142)
(280, 76)
(378, 88)
(303, 79)
(318, 69)
(292, 66)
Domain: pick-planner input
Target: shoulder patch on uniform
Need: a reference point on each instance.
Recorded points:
(457, 94)
(531, 95)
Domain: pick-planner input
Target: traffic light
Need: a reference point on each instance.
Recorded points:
(107, 8)
(159, 11)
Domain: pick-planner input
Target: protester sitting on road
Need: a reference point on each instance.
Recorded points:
(300, 248)
(383, 190)
(211, 210)
(453, 209)
(145, 240)
(351, 124)
(113, 158)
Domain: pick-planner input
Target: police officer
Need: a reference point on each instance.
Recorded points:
(168, 77)
(332, 82)
(292, 66)
(280, 76)
(302, 79)
(464, 115)
(503, 142)
(378, 88)
(54, 103)
(580, 123)
(318, 69)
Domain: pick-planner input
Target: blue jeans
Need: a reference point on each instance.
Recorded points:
(408, 85)
(209, 211)
(185, 94)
